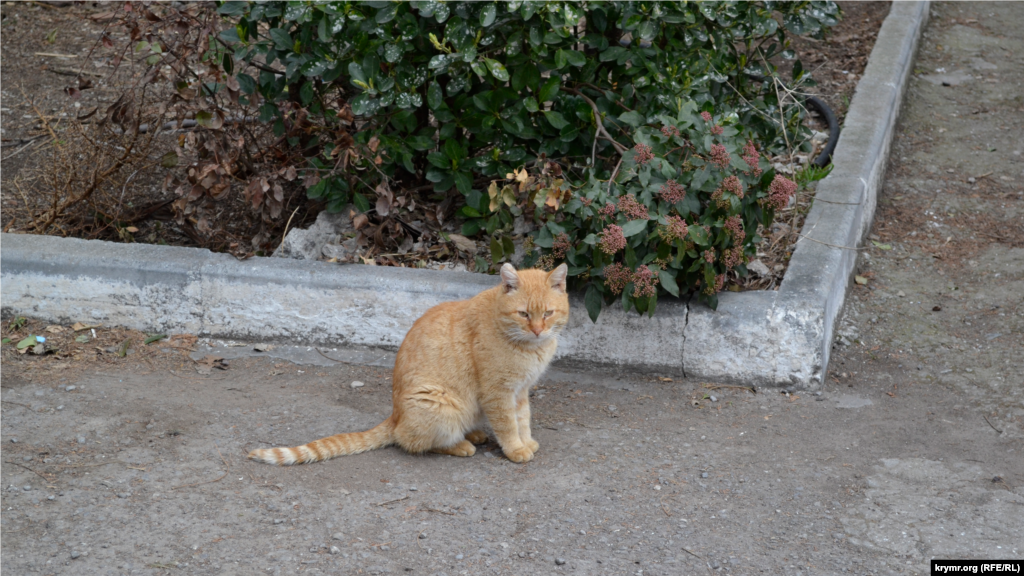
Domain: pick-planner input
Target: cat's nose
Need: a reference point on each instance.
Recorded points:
(536, 329)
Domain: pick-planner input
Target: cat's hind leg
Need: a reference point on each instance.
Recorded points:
(477, 436)
(433, 419)
(462, 448)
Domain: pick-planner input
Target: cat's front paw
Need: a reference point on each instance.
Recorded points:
(532, 445)
(519, 455)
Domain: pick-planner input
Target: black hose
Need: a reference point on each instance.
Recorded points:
(825, 157)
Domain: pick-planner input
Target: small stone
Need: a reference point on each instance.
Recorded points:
(971, 180)
(123, 494)
(26, 488)
(357, 384)
(69, 388)
(458, 556)
(50, 497)
(337, 536)
(14, 440)
(335, 550)
(714, 399)
(278, 520)
(263, 347)
(583, 532)
(26, 459)
(901, 294)
(412, 489)
(522, 554)
(611, 408)
(75, 554)
(423, 536)
(81, 439)
(703, 474)
(560, 561)
(61, 407)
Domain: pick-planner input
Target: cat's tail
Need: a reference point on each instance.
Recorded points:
(337, 445)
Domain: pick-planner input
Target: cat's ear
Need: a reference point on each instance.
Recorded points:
(509, 278)
(556, 278)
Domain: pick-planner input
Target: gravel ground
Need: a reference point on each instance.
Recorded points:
(912, 451)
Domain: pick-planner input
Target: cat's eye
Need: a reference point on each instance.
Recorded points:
(549, 313)
(524, 314)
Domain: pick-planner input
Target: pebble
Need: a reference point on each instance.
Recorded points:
(50, 497)
(338, 536)
(357, 384)
(61, 407)
(458, 556)
(26, 459)
(14, 440)
(412, 489)
(75, 554)
(26, 488)
(703, 474)
(70, 388)
(335, 550)
(123, 494)
(81, 439)
(560, 561)
(423, 536)
(583, 532)
(714, 399)
(278, 520)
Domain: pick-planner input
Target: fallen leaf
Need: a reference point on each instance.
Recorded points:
(155, 338)
(28, 341)
(462, 243)
(209, 362)
(263, 347)
(663, 379)
(368, 261)
(54, 329)
(132, 229)
(82, 338)
(78, 326)
(881, 246)
(122, 350)
(360, 220)
(860, 280)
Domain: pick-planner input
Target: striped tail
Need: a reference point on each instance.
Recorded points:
(325, 448)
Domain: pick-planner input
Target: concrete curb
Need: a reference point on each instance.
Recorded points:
(765, 338)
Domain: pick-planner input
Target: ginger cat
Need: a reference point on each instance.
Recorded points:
(461, 362)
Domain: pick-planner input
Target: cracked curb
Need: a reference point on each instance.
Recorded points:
(778, 338)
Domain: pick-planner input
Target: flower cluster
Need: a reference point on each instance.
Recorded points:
(675, 230)
(669, 131)
(633, 210)
(751, 157)
(716, 130)
(672, 192)
(561, 246)
(732, 257)
(616, 276)
(780, 191)
(719, 156)
(643, 154)
(645, 283)
(586, 201)
(734, 225)
(733, 184)
(612, 239)
(719, 199)
(706, 116)
(608, 210)
(709, 256)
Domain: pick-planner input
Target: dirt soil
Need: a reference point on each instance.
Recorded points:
(911, 452)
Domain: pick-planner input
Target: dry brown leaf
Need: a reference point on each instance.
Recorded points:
(78, 326)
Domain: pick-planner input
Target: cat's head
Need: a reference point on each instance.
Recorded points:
(532, 304)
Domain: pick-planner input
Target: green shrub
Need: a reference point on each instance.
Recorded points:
(684, 210)
(459, 93)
